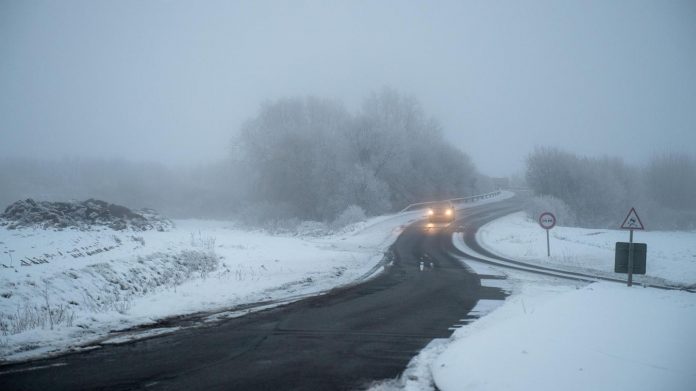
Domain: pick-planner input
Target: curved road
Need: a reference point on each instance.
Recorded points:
(339, 341)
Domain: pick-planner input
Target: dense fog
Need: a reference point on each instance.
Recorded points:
(310, 158)
(275, 111)
(168, 81)
(204, 191)
(298, 158)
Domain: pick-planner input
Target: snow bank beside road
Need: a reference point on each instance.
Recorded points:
(75, 286)
(601, 337)
(553, 334)
(671, 255)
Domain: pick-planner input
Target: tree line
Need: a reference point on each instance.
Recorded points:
(598, 192)
(296, 159)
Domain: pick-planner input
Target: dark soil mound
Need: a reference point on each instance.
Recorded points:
(80, 215)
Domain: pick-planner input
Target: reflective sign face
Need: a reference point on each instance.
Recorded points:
(547, 220)
(632, 221)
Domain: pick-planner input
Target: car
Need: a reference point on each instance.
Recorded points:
(443, 212)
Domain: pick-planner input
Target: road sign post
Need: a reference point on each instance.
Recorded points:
(547, 221)
(631, 222)
(630, 258)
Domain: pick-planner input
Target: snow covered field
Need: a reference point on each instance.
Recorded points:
(97, 281)
(671, 255)
(553, 334)
(604, 336)
(549, 334)
(63, 289)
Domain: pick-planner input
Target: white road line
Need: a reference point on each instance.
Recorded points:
(59, 364)
(464, 248)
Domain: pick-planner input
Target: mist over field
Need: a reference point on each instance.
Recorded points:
(269, 111)
(598, 192)
(348, 194)
(303, 158)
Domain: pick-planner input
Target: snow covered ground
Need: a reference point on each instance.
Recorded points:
(604, 336)
(671, 255)
(97, 281)
(63, 289)
(549, 334)
(553, 334)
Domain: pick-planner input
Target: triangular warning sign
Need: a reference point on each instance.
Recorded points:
(632, 221)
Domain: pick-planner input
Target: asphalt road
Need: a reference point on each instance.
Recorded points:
(343, 340)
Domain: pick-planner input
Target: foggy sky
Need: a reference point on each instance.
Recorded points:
(171, 81)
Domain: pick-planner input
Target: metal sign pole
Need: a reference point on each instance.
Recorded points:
(630, 258)
(548, 246)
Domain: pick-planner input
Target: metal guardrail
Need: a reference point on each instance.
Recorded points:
(452, 200)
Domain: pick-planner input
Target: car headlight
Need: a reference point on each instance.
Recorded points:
(448, 212)
(430, 212)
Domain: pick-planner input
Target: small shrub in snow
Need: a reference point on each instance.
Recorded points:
(198, 262)
(350, 215)
(206, 242)
(138, 239)
(311, 228)
(27, 317)
(540, 204)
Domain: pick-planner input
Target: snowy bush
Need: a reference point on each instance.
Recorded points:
(45, 316)
(206, 242)
(350, 215)
(540, 204)
(311, 228)
(35, 317)
(197, 262)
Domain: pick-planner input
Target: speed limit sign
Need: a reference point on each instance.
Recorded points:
(547, 221)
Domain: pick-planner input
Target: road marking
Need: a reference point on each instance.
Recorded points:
(59, 364)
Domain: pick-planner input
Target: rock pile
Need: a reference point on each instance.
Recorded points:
(84, 215)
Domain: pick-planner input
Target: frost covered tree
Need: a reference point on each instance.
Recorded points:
(295, 154)
(317, 159)
(412, 157)
(599, 191)
(596, 190)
